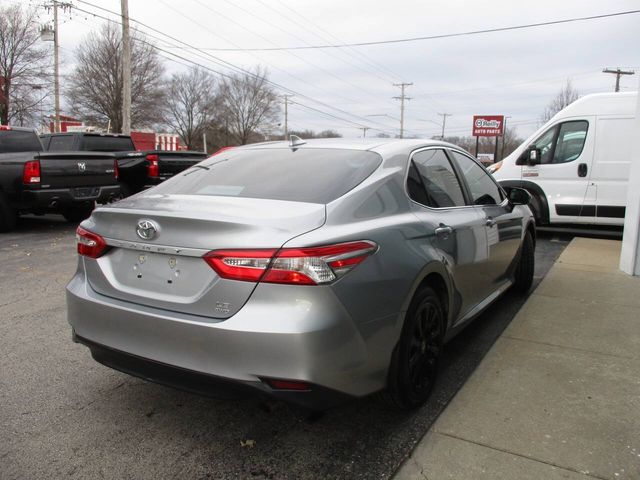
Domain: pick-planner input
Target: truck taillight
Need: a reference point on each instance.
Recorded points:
(296, 266)
(90, 244)
(116, 169)
(31, 172)
(152, 167)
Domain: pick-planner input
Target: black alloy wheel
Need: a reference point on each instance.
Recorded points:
(414, 366)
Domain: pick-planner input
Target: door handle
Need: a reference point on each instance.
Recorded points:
(490, 222)
(582, 170)
(444, 230)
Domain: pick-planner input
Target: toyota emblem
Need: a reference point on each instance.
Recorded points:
(146, 229)
(82, 166)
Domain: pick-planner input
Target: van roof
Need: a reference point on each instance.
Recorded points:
(601, 104)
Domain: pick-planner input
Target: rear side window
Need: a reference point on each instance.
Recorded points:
(59, 143)
(303, 175)
(432, 180)
(17, 141)
(99, 143)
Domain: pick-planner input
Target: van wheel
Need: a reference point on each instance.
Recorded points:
(78, 214)
(414, 366)
(537, 207)
(8, 216)
(524, 271)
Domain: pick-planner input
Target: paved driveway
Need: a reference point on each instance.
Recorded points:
(63, 415)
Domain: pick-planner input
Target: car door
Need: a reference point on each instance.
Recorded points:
(503, 225)
(564, 171)
(455, 230)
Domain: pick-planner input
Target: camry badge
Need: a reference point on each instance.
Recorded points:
(146, 229)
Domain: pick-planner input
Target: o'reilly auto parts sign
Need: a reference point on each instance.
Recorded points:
(488, 125)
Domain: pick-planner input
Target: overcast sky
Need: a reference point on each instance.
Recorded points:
(513, 73)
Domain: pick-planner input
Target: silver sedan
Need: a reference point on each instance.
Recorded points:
(314, 272)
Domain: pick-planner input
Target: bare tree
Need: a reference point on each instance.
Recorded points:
(95, 87)
(22, 64)
(249, 105)
(192, 105)
(564, 97)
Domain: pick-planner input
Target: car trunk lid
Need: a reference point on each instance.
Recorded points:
(167, 271)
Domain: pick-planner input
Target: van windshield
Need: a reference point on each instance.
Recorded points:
(302, 175)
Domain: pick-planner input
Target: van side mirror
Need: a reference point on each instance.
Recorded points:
(531, 156)
(519, 196)
(534, 155)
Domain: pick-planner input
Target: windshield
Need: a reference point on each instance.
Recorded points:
(99, 143)
(303, 175)
(17, 141)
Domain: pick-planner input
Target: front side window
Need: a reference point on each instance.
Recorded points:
(562, 143)
(570, 141)
(484, 191)
(432, 180)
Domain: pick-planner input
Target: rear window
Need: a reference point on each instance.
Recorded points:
(59, 143)
(303, 175)
(98, 143)
(17, 141)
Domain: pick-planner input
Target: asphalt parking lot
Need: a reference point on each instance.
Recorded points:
(64, 415)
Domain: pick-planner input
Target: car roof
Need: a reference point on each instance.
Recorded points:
(378, 145)
(621, 103)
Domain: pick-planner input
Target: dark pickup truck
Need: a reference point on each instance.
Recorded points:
(137, 169)
(34, 181)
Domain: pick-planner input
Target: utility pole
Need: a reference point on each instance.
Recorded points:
(504, 134)
(286, 114)
(126, 69)
(364, 131)
(618, 73)
(444, 121)
(56, 69)
(402, 98)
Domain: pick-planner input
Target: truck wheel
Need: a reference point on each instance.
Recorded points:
(77, 214)
(8, 215)
(126, 190)
(414, 366)
(524, 271)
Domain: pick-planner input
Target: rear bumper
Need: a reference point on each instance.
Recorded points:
(304, 339)
(68, 197)
(315, 398)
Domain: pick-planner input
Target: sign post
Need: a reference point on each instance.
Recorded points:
(488, 126)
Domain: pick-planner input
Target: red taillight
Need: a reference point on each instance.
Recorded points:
(90, 244)
(299, 266)
(6, 128)
(31, 172)
(277, 384)
(116, 169)
(152, 169)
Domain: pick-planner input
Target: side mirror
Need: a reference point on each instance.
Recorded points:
(534, 155)
(519, 196)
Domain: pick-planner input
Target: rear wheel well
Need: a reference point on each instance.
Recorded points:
(437, 283)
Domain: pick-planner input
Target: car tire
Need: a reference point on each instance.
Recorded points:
(77, 214)
(523, 278)
(414, 366)
(8, 216)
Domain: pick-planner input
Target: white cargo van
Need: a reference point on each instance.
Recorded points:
(576, 167)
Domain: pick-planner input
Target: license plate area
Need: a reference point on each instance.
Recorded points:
(85, 192)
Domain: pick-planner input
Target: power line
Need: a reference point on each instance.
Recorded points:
(214, 59)
(433, 37)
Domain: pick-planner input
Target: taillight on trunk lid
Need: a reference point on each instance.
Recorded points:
(152, 168)
(90, 244)
(31, 172)
(297, 266)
